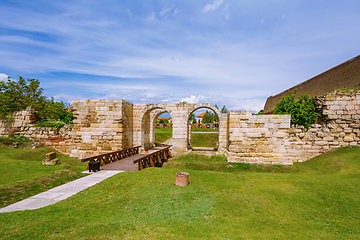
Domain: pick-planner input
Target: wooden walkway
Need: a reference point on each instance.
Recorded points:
(129, 159)
(126, 164)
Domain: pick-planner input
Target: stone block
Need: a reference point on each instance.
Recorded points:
(253, 135)
(328, 138)
(280, 135)
(348, 139)
(321, 143)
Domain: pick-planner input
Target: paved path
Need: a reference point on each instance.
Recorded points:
(59, 193)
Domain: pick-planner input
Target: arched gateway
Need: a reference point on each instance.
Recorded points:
(113, 124)
(144, 116)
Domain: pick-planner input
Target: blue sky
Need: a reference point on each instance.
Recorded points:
(225, 52)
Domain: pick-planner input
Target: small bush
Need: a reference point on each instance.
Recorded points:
(15, 140)
(303, 111)
(50, 123)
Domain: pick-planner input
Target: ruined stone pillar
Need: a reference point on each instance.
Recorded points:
(223, 132)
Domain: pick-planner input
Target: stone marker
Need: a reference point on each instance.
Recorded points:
(50, 159)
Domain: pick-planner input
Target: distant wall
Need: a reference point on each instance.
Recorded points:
(346, 74)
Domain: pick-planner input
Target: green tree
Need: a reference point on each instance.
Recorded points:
(57, 111)
(303, 111)
(17, 95)
(210, 117)
(192, 118)
(224, 109)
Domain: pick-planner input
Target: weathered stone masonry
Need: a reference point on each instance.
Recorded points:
(271, 138)
(107, 125)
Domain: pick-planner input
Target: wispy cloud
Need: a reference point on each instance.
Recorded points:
(176, 11)
(212, 6)
(164, 11)
(225, 13)
(193, 99)
(3, 77)
(124, 51)
(151, 16)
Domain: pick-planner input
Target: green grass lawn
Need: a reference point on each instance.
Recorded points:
(22, 173)
(162, 134)
(205, 139)
(318, 199)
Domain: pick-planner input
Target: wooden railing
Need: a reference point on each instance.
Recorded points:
(113, 156)
(154, 159)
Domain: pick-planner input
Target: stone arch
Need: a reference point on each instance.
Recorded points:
(144, 121)
(204, 105)
(215, 110)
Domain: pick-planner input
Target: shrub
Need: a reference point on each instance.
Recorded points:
(303, 111)
(14, 140)
(50, 123)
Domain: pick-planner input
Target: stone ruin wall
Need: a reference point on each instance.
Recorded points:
(257, 138)
(107, 125)
(23, 123)
(271, 138)
(16, 121)
(100, 126)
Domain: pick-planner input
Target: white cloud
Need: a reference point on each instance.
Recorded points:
(67, 97)
(193, 99)
(152, 16)
(3, 77)
(225, 13)
(213, 6)
(254, 105)
(164, 11)
(176, 11)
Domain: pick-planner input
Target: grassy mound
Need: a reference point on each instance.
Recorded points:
(317, 199)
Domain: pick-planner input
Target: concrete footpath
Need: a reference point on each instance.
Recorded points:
(59, 193)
